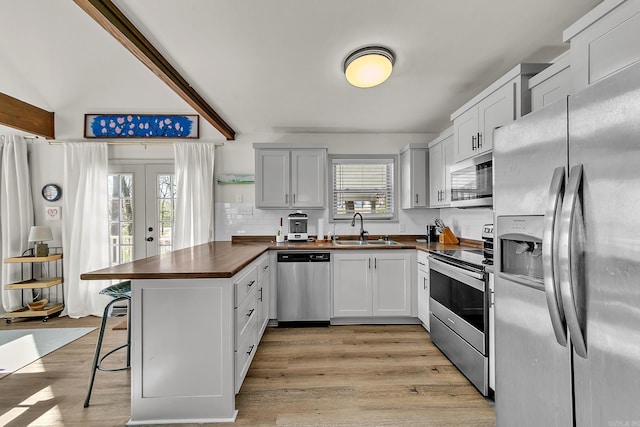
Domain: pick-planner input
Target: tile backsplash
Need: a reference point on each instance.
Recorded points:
(244, 219)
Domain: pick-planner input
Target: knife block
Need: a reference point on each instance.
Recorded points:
(447, 236)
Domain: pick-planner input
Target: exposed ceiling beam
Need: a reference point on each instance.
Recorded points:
(116, 23)
(26, 117)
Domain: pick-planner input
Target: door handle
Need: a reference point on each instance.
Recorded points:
(149, 239)
(549, 255)
(473, 143)
(565, 244)
(479, 140)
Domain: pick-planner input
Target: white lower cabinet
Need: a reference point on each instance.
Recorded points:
(492, 334)
(423, 289)
(371, 283)
(251, 314)
(264, 282)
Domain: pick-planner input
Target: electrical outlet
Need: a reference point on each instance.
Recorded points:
(245, 210)
(402, 228)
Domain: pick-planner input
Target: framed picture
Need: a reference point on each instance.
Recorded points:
(141, 126)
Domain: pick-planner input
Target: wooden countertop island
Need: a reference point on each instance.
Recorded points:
(197, 316)
(209, 260)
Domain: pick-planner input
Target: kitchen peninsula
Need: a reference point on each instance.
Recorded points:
(195, 325)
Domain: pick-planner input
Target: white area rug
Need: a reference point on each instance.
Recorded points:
(21, 347)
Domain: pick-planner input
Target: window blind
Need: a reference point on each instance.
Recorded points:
(363, 185)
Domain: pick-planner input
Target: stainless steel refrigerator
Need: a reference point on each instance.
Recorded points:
(567, 283)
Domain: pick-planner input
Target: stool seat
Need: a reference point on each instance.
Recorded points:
(119, 292)
(122, 289)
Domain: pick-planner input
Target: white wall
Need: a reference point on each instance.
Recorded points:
(467, 222)
(235, 210)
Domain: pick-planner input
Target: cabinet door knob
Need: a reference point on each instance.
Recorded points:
(149, 239)
(473, 143)
(479, 140)
(416, 198)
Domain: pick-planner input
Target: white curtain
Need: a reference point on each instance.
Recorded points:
(194, 220)
(85, 235)
(16, 213)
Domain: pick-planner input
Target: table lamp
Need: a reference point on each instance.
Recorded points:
(39, 234)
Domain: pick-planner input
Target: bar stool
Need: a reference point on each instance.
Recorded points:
(120, 292)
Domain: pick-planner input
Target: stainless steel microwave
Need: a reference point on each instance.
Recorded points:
(472, 182)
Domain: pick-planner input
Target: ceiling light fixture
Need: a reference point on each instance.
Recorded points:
(368, 66)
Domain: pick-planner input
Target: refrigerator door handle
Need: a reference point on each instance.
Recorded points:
(566, 273)
(549, 256)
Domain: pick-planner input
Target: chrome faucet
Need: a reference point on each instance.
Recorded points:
(353, 224)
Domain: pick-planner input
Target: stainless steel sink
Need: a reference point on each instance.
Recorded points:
(365, 243)
(382, 242)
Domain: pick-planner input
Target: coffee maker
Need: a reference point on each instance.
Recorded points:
(298, 227)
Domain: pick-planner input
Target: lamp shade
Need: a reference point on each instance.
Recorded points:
(40, 233)
(369, 66)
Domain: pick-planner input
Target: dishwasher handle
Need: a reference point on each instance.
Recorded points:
(304, 257)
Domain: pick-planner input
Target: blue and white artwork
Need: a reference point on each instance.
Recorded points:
(141, 126)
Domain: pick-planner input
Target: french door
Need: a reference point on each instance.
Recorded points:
(141, 211)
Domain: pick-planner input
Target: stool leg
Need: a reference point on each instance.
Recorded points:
(97, 355)
(129, 333)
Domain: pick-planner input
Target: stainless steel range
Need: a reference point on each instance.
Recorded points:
(459, 311)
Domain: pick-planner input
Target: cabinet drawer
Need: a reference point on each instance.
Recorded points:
(245, 283)
(245, 351)
(245, 314)
(423, 258)
(263, 266)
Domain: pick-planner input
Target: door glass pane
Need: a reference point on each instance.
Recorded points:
(165, 205)
(121, 207)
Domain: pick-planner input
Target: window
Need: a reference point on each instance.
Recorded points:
(121, 218)
(364, 184)
(166, 205)
(141, 211)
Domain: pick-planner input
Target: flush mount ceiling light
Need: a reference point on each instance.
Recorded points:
(368, 66)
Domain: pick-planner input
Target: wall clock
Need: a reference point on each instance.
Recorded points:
(51, 192)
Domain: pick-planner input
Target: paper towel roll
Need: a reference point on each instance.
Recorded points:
(320, 229)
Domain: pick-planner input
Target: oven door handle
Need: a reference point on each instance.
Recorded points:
(550, 255)
(471, 278)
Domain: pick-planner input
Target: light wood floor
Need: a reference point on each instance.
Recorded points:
(335, 376)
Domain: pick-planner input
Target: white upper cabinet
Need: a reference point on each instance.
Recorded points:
(272, 178)
(604, 41)
(308, 178)
(440, 160)
(501, 103)
(290, 178)
(551, 84)
(414, 165)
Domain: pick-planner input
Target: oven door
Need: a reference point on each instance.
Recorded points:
(458, 300)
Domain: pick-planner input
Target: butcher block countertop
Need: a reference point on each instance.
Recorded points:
(225, 259)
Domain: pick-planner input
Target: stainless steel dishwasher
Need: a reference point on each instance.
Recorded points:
(304, 287)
